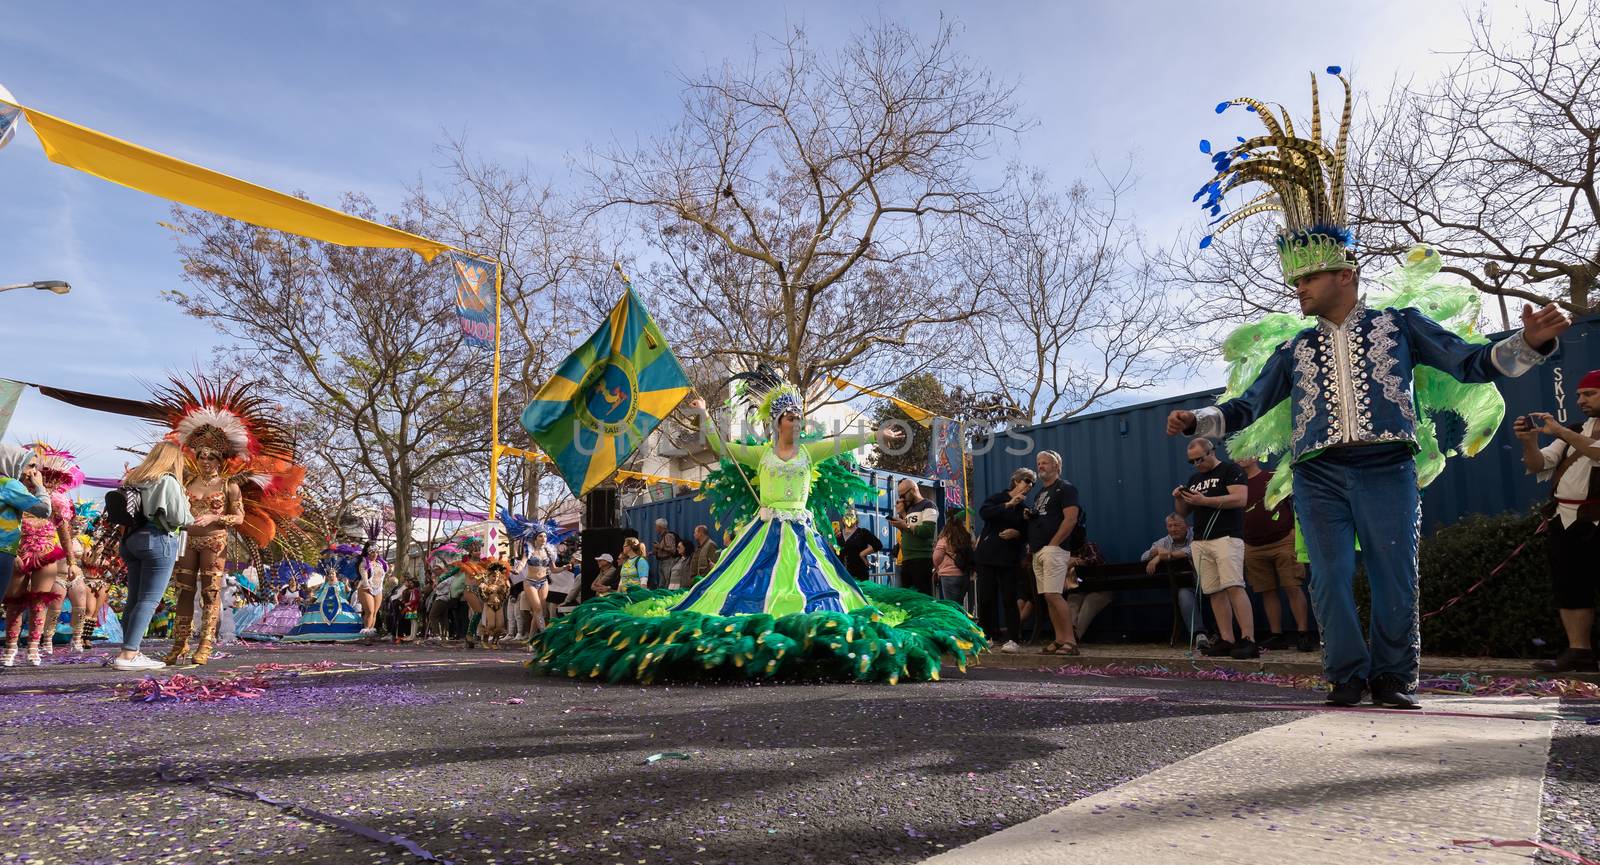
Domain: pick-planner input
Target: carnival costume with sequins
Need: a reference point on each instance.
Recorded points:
(259, 485)
(779, 603)
(1351, 403)
(39, 548)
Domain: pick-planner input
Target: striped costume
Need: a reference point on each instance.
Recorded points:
(778, 605)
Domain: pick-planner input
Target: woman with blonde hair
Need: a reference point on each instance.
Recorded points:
(635, 567)
(150, 550)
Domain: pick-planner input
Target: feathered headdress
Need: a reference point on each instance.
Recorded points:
(227, 417)
(57, 465)
(521, 528)
(1305, 180)
(231, 419)
(768, 394)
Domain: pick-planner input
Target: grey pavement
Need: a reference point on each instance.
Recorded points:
(428, 746)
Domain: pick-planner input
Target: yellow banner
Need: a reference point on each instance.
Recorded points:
(108, 158)
(916, 413)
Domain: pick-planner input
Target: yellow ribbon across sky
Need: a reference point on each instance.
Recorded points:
(110, 158)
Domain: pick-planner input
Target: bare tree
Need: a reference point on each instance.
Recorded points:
(1071, 314)
(1495, 164)
(802, 203)
(368, 337)
(335, 478)
(557, 284)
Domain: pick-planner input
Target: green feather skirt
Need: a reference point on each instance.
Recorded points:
(636, 636)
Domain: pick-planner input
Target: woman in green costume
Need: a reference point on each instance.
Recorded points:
(779, 603)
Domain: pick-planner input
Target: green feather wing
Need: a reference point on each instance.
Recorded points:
(1415, 284)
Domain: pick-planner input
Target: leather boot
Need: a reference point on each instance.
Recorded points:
(208, 633)
(180, 639)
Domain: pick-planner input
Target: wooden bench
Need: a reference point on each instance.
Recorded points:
(1117, 576)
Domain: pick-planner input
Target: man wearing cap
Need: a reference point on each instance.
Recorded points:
(606, 582)
(1568, 463)
(1056, 530)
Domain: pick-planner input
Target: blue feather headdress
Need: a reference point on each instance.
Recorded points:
(1304, 179)
(521, 528)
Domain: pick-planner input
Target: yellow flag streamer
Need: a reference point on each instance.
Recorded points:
(109, 158)
(916, 413)
(625, 474)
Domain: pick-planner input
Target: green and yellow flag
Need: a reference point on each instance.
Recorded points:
(606, 397)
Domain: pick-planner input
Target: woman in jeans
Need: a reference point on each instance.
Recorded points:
(152, 550)
(952, 558)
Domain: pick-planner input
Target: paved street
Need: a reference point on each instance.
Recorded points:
(399, 754)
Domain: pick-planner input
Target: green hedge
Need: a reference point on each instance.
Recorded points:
(1504, 617)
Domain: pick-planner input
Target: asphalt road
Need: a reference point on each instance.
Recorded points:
(431, 745)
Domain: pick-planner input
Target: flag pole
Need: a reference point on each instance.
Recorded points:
(494, 406)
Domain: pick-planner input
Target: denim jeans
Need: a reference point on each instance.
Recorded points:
(1186, 608)
(8, 564)
(953, 589)
(1367, 494)
(150, 554)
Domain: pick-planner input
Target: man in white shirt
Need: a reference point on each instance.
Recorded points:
(1568, 463)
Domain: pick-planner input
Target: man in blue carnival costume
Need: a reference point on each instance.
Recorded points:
(1353, 384)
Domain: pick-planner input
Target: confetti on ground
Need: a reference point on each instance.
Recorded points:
(179, 688)
(1539, 845)
(666, 755)
(200, 779)
(1460, 684)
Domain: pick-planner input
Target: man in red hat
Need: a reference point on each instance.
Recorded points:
(1569, 464)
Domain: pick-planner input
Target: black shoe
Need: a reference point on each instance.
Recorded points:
(1279, 640)
(1391, 691)
(1245, 649)
(1307, 642)
(1218, 649)
(1347, 693)
(1570, 661)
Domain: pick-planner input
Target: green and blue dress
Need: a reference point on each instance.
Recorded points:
(779, 604)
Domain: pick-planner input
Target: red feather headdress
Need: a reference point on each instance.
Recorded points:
(230, 418)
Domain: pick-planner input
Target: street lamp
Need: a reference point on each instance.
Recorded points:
(54, 286)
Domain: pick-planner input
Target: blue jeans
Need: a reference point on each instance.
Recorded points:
(1370, 494)
(8, 564)
(953, 589)
(1186, 607)
(150, 555)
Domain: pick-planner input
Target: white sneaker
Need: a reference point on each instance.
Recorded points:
(1011, 648)
(136, 664)
(368, 632)
(9, 659)
(1201, 642)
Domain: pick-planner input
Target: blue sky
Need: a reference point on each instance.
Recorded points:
(354, 96)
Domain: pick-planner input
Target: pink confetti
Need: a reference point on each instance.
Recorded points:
(188, 689)
(1540, 845)
(1455, 683)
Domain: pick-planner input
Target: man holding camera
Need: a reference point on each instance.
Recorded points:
(1568, 463)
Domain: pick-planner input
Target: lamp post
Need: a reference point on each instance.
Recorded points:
(54, 286)
(432, 493)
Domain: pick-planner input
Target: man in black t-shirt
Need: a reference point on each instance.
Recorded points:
(1055, 531)
(1216, 495)
(855, 544)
